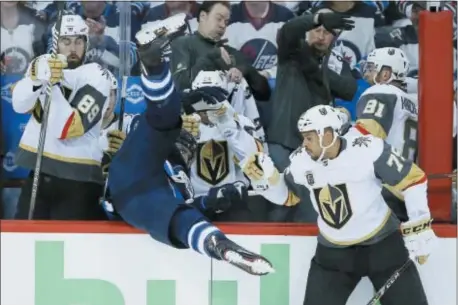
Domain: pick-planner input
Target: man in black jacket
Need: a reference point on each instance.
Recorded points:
(302, 83)
(206, 51)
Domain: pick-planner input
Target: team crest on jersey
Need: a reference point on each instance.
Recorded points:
(262, 53)
(361, 141)
(310, 178)
(17, 60)
(334, 205)
(349, 51)
(213, 161)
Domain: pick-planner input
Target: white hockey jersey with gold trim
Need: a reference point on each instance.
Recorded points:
(74, 123)
(391, 114)
(218, 154)
(346, 191)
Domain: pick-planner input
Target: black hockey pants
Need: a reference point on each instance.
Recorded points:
(334, 273)
(61, 199)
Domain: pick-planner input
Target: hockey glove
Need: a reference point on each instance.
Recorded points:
(204, 99)
(419, 238)
(115, 140)
(46, 68)
(191, 123)
(334, 21)
(222, 198)
(261, 171)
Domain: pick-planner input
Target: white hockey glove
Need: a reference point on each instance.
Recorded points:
(46, 68)
(419, 238)
(191, 123)
(261, 171)
(224, 118)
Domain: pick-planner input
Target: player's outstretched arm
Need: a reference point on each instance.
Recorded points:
(405, 176)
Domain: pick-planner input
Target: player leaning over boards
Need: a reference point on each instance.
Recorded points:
(71, 179)
(358, 234)
(387, 111)
(144, 191)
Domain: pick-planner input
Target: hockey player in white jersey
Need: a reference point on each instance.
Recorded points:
(386, 111)
(71, 177)
(358, 234)
(224, 138)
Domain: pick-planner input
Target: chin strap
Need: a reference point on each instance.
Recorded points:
(324, 148)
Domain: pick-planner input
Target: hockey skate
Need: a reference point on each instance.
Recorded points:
(226, 250)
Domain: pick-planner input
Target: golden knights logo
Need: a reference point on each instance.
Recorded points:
(334, 205)
(213, 161)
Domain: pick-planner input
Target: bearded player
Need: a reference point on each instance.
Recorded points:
(142, 181)
(70, 179)
(358, 234)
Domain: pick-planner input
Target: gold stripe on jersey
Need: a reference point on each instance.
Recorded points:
(292, 200)
(362, 239)
(394, 191)
(59, 157)
(74, 128)
(373, 127)
(259, 145)
(415, 176)
(37, 111)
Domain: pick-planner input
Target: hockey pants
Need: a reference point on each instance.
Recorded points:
(335, 272)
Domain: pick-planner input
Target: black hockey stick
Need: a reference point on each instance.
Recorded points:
(123, 103)
(376, 298)
(44, 120)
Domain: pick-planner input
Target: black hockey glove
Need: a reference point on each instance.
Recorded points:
(334, 21)
(203, 99)
(222, 198)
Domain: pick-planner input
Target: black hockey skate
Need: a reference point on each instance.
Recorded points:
(226, 250)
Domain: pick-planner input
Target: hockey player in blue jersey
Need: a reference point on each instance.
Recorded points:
(143, 177)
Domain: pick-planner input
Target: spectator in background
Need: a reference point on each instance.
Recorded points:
(22, 37)
(303, 83)
(356, 44)
(253, 30)
(170, 8)
(205, 50)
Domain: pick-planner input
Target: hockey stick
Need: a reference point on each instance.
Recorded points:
(376, 298)
(44, 120)
(123, 103)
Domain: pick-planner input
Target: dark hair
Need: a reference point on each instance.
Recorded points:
(207, 6)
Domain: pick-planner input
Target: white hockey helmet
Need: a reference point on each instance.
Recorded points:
(318, 118)
(393, 58)
(72, 25)
(210, 79)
